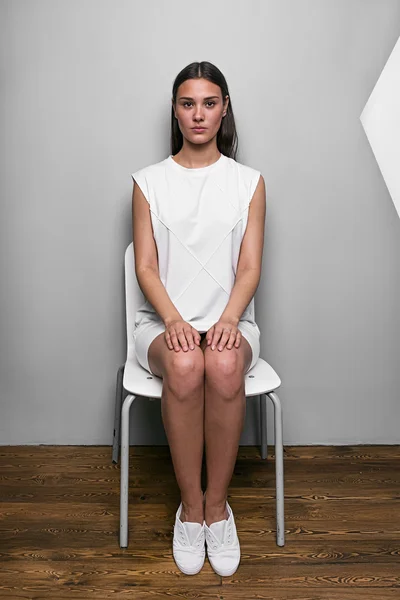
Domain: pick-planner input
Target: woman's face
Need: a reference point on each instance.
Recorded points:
(199, 104)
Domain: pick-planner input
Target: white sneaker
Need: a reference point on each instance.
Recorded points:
(188, 545)
(223, 548)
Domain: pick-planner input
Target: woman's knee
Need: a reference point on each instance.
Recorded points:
(165, 361)
(225, 370)
(184, 373)
(180, 369)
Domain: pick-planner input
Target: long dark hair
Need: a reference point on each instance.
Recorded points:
(226, 137)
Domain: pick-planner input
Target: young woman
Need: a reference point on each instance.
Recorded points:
(198, 233)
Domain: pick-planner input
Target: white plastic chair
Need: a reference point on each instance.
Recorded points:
(261, 381)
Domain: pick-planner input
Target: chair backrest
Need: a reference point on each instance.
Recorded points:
(134, 297)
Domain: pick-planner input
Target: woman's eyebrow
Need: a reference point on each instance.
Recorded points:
(188, 98)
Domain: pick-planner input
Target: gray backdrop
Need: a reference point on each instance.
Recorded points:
(85, 99)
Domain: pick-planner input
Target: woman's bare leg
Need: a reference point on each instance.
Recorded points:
(225, 409)
(182, 409)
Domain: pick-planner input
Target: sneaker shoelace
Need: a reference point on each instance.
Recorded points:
(184, 538)
(219, 543)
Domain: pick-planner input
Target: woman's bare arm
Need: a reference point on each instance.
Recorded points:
(146, 260)
(249, 265)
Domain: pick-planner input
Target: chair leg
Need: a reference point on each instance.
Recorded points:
(263, 426)
(280, 517)
(117, 414)
(124, 491)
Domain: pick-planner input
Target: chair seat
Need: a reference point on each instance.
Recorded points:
(261, 379)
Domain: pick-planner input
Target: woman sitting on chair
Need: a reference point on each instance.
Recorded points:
(198, 233)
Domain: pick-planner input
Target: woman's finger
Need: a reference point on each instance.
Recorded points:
(238, 339)
(183, 340)
(232, 339)
(168, 340)
(225, 337)
(190, 339)
(175, 341)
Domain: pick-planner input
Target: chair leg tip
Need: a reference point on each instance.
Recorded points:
(280, 543)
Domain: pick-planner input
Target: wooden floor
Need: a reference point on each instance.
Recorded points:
(59, 525)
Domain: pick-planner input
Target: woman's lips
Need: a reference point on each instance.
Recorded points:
(199, 129)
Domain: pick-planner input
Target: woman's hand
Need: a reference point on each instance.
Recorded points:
(224, 332)
(180, 333)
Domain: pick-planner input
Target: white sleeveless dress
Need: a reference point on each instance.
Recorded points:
(199, 217)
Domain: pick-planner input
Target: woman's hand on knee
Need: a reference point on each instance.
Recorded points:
(180, 334)
(224, 333)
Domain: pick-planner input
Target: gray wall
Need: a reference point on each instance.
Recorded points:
(85, 94)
